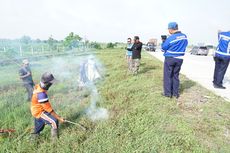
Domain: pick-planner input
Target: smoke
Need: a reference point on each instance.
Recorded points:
(80, 74)
(93, 112)
(76, 70)
(89, 72)
(62, 68)
(89, 75)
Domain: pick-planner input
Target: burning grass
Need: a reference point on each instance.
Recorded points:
(140, 119)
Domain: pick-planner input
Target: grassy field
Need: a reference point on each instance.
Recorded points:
(140, 119)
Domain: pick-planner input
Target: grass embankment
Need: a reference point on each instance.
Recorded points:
(141, 120)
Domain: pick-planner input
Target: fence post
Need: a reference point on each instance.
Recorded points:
(20, 50)
(4, 49)
(32, 50)
(42, 48)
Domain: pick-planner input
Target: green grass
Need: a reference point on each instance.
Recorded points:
(141, 120)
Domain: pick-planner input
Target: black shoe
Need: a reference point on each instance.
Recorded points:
(219, 86)
(168, 96)
(176, 96)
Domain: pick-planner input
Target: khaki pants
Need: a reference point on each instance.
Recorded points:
(130, 64)
(136, 65)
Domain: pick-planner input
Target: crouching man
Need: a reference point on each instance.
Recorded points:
(41, 108)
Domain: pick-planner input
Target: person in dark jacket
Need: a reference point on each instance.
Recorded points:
(136, 54)
(174, 49)
(26, 77)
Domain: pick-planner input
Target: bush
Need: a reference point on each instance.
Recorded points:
(111, 45)
(95, 45)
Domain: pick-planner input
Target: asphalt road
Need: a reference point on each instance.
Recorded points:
(200, 69)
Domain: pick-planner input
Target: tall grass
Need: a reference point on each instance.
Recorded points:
(140, 119)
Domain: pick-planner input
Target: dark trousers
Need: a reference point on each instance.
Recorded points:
(172, 68)
(221, 65)
(46, 118)
(29, 88)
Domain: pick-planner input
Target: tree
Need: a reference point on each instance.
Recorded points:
(95, 45)
(25, 39)
(110, 45)
(52, 42)
(38, 40)
(72, 40)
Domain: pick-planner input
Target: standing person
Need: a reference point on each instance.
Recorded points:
(136, 54)
(41, 108)
(174, 49)
(26, 76)
(129, 53)
(221, 58)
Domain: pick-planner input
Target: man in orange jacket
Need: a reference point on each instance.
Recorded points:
(41, 108)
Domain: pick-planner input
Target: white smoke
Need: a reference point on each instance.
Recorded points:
(89, 75)
(93, 112)
(96, 114)
(89, 72)
(80, 72)
(61, 67)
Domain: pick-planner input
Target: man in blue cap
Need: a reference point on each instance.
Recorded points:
(174, 49)
(221, 58)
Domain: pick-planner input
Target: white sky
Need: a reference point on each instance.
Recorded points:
(113, 20)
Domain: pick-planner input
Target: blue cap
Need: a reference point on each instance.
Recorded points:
(173, 25)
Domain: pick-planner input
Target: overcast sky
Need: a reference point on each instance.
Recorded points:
(113, 20)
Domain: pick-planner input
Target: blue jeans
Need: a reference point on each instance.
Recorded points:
(46, 118)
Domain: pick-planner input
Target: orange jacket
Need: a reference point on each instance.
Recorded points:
(40, 102)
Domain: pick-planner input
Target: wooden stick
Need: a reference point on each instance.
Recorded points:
(82, 127)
